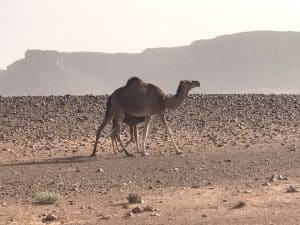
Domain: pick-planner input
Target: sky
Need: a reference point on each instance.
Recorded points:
(132, 25)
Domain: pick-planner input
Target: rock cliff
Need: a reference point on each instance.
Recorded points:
(259, 62)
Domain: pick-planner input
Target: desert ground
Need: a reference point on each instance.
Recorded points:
(240, 163)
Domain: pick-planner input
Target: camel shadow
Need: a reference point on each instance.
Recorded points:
(124, 205)
(72, 159)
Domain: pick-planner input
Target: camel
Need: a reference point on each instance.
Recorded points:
(141, 99)
(131, 121)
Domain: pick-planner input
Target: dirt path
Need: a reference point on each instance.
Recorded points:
(94, 190)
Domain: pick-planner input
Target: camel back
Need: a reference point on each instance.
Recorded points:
(135, 81)
(137, 99)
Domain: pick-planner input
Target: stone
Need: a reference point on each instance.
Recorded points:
(274, 178)
(128, 215)
(49, 218)
(100, 170)
(136, 210)
(149, 209)
(293, 148)
(105, 217)
(280, 177)
(292, 189)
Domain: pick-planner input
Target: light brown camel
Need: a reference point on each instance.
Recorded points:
(132, 122)
(141, 99)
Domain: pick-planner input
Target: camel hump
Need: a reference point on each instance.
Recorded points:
(135, 81)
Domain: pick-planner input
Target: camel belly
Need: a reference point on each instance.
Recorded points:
(140, 111)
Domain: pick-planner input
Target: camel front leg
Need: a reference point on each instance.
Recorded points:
(145, 134)
(164, 122)
(136, 138)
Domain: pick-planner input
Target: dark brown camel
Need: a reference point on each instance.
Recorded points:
(141, 99)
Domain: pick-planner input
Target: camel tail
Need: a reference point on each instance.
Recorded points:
(109, 111)
(108, 107)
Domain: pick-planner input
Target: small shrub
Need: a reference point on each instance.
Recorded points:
(46, 197)
(239, 205)
(134, 199)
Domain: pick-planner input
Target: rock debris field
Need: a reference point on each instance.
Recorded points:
(233, 145)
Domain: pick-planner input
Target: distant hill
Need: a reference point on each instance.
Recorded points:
(249, 62)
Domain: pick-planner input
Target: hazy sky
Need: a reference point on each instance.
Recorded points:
(132, 25)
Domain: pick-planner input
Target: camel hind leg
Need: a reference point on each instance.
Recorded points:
(115, 145)
(98, 133)
(108, 116)
(145, 134)
(131, 135)
(116, 131)
(116, 136)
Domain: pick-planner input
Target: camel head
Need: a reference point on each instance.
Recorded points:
(189, 84)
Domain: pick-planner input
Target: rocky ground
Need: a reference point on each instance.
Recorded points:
(232, 144)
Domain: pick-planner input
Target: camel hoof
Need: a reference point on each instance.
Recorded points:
(145, 153)
(93, 155)
(178, 153)
(129, 155)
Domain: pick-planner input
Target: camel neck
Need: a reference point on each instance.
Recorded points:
(174, 101)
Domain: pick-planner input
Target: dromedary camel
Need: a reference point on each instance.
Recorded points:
(141, 99)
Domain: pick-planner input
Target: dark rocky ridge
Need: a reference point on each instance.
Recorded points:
(211, 119)
(250, 62)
